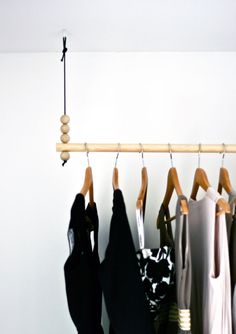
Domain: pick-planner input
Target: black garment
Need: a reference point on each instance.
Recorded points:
(124, 295)
(83, 289)
(167, 320)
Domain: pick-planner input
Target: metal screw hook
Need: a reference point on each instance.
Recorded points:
(199, 154)
(171, 157)
(87, 152)
(117, 155)
(141, 151)
(223, 155)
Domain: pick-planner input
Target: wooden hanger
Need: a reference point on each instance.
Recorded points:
(115, 176)
(224, 181)
(115, 179)
(173, 184)
(140, 203)
(201, 180)
(88, 185)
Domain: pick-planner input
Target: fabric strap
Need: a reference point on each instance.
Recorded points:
(213, 194)
(140, 226)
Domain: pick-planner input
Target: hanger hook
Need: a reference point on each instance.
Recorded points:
(171, 157)
(87, 152)
(199, 154)
(117, 155)
(141, 151)
(223, 154)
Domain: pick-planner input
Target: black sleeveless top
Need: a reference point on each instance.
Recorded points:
(83, 289)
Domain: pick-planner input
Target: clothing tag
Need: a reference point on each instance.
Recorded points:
(92, 239)
(139, 220)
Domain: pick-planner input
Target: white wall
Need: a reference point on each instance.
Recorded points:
(121, 97)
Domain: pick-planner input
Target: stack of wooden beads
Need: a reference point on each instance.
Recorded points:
(65, 138)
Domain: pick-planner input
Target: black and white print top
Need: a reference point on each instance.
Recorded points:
(157, 269)
(158, 275)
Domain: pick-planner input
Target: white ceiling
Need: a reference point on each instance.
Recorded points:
(121, 25)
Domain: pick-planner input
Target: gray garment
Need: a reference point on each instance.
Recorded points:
(211, 288)
(183, 275)
(183, 265)
(229, 216)
(231, 229)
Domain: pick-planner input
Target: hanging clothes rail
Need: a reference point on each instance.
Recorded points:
(65, 147)
(181, 148)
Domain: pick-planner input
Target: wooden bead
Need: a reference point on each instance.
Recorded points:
(65, 128)
(65, 119)
(65, 138)
(65, 156)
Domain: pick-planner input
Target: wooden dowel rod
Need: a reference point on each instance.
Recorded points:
(182, 148)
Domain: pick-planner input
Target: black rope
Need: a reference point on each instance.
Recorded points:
(64, 61)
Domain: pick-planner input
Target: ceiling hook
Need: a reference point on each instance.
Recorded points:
(64, 33)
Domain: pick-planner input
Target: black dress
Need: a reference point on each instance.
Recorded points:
(124, 295)
(83, 289)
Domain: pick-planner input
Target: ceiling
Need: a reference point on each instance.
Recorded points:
(121, 25)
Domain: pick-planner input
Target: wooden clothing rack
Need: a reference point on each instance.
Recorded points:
(65, 147)
(140, 147)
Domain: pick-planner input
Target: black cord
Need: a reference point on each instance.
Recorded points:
(64, 60)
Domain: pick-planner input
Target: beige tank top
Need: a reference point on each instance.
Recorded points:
(211, 288)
